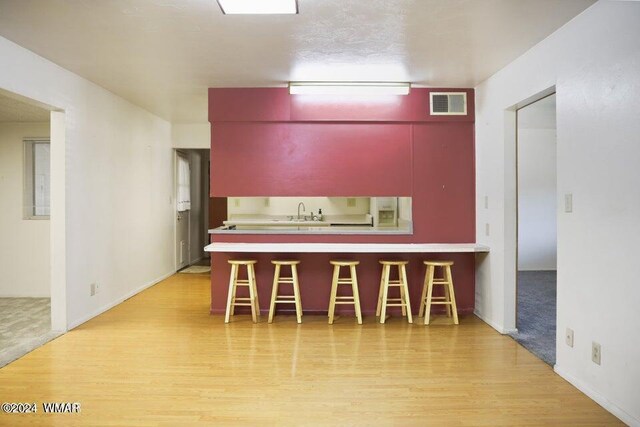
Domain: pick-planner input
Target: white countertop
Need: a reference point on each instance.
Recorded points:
(347, 247)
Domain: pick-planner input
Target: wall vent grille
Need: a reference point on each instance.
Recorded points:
(448, 103)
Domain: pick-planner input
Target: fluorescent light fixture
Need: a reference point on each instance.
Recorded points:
(258, 7)
(348, 88)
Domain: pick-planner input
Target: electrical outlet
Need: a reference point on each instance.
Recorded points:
(568, 337)
(236, 202)
(92, 289)
(97, 287)
(486, 229)
(351, 202)
(595, 353)
(568, 203)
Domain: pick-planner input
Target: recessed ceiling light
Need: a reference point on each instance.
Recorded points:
(258, 7)
(349, 88)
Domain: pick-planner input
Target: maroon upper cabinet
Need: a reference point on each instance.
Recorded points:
(311, 159)
(276, 105)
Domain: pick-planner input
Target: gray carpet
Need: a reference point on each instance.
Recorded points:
(25, 324)
(537, 313)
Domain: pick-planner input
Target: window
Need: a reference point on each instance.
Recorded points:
(37, 178)
(184, 184)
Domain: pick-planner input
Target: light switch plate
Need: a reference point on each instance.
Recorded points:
(568, 203)
(568, 337)
(486, 202)
(595, 353)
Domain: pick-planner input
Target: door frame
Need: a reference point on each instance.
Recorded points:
(511, 207)
(517, 142)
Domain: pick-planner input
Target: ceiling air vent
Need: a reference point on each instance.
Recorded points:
(448, 103)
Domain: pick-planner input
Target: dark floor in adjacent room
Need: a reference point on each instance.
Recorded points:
(537, 313)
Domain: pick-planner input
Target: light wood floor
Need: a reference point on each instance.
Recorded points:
(161, 359)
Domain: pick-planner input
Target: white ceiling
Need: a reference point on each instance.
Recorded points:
(13, 110)
(164, 54)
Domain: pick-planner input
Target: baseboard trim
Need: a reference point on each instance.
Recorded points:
(494, 325)
(624, 416)
(120, 300)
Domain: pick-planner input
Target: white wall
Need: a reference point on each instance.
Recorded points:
(191, 135)
(116, 185)
(24, 246)
(289, 205)
(594, 63)
(537, 186)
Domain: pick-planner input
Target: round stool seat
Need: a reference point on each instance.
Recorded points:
(386, 262)
(242, 261)
(343, 263)
(438, 263)
(285, 262)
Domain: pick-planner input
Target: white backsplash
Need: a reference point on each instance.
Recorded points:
(289, 205)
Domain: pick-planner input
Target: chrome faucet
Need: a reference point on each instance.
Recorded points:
(304, 209)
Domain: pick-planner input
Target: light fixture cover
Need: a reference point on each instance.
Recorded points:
(258, 7)
(349, 88)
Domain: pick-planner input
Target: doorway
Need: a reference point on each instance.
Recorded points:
(536, 228)
(26, 291)
(192, 208)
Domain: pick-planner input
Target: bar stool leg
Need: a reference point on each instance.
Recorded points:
(334, 291)
(236, 272)
(385, 293)
(252, 295)
(452, 296)
(427, 314)
(447, 294)
(232, 291)
(356, 295)
(255, 289)
(405, 297)
(424, 293)
(296, 293)
(379, 306)
(274, 292)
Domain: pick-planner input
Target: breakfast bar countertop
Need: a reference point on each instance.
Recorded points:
(348, 247)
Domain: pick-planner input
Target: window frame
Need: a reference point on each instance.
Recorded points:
(29, 164)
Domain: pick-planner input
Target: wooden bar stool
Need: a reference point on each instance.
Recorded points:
(449, 298)
(285, 299)
(383, 295)
(234, 282)
(351, 280)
